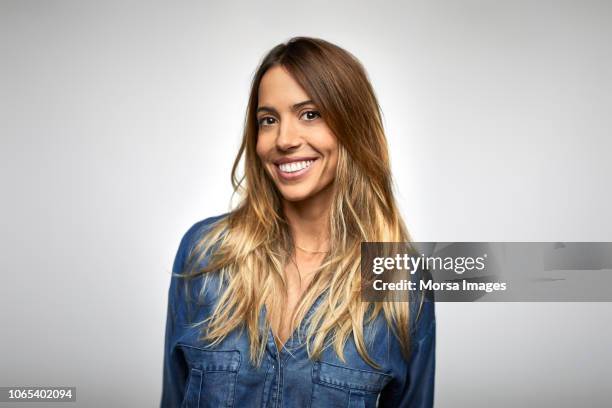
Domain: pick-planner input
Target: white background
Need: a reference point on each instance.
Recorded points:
(120, 120)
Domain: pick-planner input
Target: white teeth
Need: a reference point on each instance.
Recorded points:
(295, 166)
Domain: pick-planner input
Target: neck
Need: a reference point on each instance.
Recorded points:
(309, 220)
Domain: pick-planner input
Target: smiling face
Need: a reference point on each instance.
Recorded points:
(295, 145)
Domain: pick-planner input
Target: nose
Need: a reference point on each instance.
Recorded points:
(288, 137)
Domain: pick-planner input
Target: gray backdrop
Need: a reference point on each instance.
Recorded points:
(120, 121)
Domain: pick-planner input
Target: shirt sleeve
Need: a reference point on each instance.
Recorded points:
(419, 391)
(418, 387)
(175, 368)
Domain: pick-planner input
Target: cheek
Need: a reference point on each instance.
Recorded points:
(260, 148)
(332, 151)
(333, 164)
(325, 141)
(332, 160)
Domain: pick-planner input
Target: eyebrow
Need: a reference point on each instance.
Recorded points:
(294, 108)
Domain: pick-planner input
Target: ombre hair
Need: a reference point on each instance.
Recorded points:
(252, 244)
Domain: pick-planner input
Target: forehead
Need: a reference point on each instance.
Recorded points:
(278, 88)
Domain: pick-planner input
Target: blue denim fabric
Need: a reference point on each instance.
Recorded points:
(199, 376)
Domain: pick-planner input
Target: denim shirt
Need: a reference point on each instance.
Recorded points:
(197, 375)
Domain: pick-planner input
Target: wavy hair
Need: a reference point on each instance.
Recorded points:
(253, 244)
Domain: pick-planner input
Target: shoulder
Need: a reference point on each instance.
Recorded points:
(185, 293)
(190, 239)
(198, 230)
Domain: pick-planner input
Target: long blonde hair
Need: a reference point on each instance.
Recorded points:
(252, 244)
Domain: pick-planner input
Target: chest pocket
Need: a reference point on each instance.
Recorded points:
(212, 377)
(341, 387)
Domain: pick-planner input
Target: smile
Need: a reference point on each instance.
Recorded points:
(295, 166)
(294, 170)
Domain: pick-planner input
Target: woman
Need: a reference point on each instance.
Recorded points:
(264, 303)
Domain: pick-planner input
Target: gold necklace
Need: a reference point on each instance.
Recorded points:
(312, 252)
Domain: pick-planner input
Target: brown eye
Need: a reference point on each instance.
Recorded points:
(311, 115)
(266, 121)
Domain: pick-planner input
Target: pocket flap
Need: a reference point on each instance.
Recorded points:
(352, 378)
(211, 360)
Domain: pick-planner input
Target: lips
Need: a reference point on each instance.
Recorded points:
(294, 169)
(295, 166)
(284, 160)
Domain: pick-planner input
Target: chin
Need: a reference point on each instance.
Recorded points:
(295, 196)
(296, 193)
